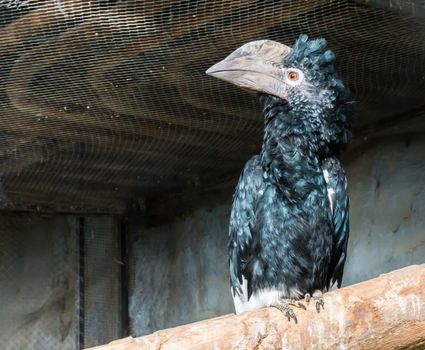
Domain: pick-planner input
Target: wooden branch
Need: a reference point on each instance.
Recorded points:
(387, 312)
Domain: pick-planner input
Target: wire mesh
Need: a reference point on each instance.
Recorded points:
(60, 282)
(37, 282)
(104, 102)
(101, 293)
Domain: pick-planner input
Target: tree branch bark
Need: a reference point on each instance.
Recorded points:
(387, 312)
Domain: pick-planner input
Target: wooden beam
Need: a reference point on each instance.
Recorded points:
(384, 313)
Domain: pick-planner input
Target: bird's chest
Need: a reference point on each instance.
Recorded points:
(291, 213)
(295, 239)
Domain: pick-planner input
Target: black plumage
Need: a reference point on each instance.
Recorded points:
(289, 222)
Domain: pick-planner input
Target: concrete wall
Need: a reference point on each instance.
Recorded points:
(43, 302)
(38, 269)
(180, 272)
(387, 192)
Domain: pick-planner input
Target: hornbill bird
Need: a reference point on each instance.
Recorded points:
(289, 222)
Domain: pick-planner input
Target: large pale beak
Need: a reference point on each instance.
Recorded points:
(256, 66)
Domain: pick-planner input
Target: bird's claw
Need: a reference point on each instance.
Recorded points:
(284, 304)
(289, 313)
(320, 302)
(284, 307)
(297, 303)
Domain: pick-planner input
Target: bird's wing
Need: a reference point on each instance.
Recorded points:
(338, 196)
(242, 230)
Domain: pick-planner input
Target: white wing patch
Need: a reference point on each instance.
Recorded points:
(262, 298)
(331, 191)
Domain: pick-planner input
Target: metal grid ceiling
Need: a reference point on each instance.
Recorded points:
(104, 102)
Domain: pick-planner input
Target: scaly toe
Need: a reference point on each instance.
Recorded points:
(320, 302)
(291, 314)
(284, 307)
(296, 303)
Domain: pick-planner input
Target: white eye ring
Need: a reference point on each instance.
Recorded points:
(294, 76)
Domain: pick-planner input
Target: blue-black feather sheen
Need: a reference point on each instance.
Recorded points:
(284, 231)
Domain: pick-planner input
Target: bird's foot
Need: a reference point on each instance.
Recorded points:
(317, 297)
(284, 305)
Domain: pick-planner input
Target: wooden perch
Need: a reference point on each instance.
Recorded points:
(387, 312)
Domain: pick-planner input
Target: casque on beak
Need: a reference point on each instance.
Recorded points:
(256, 66)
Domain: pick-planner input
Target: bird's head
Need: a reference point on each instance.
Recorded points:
(302, 79)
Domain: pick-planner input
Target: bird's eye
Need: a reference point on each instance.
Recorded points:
(294, 76)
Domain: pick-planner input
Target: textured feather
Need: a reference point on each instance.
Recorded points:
(243, 220)
(338, 187)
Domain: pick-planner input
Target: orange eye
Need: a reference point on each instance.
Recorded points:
(292, 75)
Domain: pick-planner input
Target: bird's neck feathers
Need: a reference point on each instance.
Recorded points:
(292, 150)
(320, 122)
(281, 120)
(286, 129)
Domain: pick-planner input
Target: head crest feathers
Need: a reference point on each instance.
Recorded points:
(311, 53)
